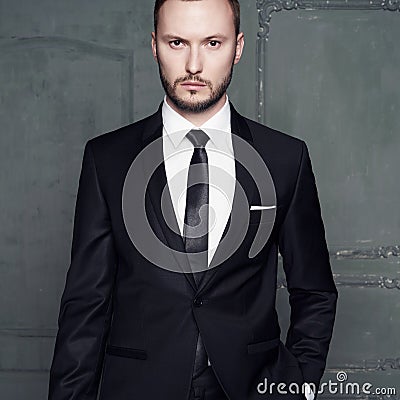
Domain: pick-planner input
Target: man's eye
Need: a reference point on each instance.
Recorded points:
(175, 43)
(214, 43)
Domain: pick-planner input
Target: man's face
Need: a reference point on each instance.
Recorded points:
(196, 48)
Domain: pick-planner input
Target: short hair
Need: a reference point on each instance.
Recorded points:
(233, 3)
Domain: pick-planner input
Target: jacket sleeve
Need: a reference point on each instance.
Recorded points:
(312, 291)
(85, 309)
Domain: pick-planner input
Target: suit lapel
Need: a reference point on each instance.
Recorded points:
(170, 235)
(240, 131)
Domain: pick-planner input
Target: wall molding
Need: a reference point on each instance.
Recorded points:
(266, 8)
(371, 281)
(370, 253)
(37, 333)
(357, 281)
(125, 57)
(369, 365)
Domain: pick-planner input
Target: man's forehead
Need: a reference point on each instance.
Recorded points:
(193, 3)
(197, 18)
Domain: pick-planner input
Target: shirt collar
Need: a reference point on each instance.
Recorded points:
(177, 126)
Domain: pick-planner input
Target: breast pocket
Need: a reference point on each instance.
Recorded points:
(268, 216)
(126, 352)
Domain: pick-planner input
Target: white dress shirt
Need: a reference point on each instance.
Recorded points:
(178, 151)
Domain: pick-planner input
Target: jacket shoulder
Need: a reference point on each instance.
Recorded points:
(283, 153)
(273, 136)
(127, 135)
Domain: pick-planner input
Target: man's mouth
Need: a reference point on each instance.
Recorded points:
(193, 85)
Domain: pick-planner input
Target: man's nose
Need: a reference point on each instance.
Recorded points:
(194, 64)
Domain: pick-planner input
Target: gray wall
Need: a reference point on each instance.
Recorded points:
(330, 75)
(73, 70)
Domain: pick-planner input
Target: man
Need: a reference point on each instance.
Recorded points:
(132, 324)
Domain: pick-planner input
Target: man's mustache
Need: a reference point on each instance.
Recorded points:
(192, 78)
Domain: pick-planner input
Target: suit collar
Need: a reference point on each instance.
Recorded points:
(176, 126)
(153, 128)
(239, 126)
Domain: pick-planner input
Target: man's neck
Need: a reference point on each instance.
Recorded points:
(199, 119)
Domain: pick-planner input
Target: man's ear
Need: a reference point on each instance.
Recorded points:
(239, 47)
(154, 45)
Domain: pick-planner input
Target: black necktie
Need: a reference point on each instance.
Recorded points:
(195, 231)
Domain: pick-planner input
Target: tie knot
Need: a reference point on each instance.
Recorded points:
(198, 137)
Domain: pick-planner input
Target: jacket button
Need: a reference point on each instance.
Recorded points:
(197, 302)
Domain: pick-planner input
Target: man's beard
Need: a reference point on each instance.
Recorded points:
(195, 106)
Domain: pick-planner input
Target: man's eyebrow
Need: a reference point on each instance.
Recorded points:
(217, 36)
(170, 36)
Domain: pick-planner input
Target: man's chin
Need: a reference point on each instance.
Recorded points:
(191, 105)
(193, 97)
(194, 103)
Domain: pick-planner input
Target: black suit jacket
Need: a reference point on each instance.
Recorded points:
(130, 327)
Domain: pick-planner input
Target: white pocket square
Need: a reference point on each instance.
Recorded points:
(261, 207)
